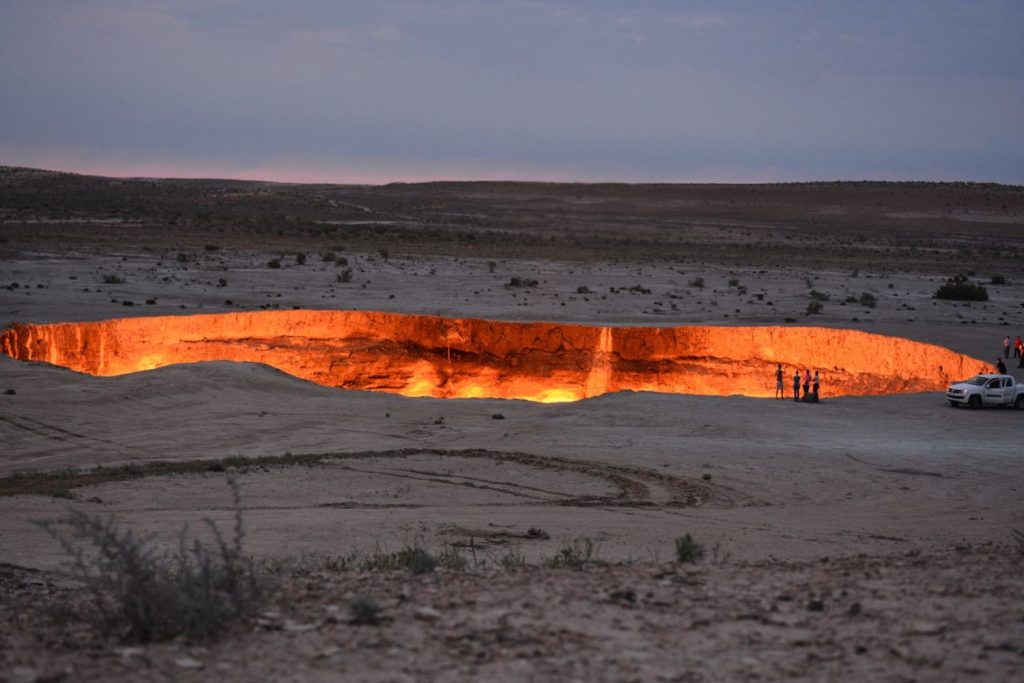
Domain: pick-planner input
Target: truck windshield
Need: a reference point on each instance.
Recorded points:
(978, 381)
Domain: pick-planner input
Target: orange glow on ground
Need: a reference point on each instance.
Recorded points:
(417, 355)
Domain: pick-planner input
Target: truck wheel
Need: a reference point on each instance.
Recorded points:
(1019, 403)
(974, 402)
(953, 404)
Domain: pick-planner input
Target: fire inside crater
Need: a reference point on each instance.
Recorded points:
(420, 355)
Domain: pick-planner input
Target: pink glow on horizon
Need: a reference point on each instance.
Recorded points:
(368, 173)
(372, 175)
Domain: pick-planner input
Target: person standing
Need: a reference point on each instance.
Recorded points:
(1018, 348)
(1000, 366)
(817, 384)
(807, 382)
(780, 388)
(1006, 347)
(796, 385)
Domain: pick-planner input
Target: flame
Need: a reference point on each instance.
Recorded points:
(416, 355)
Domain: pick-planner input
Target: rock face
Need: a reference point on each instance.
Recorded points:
(417, 355)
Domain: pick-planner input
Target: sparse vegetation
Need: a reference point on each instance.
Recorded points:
(577, 554)
(960, 288)
(688, 550)
(814, 308)
(521, 282)
(146, 595)
(365, 611)
(112, 280)
(412, 558)
(697, 282)
(868, 299)
(274, 263)
(345, 275)
(998, 280)
(818, 296)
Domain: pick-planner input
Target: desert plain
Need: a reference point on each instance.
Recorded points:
(866, 537)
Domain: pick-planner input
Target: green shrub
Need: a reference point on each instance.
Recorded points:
(959, 288)
(274, 263)
(365, 611)
(345, 275)
(814, 308)
(688, 550)
(868, 299)
(818, 296)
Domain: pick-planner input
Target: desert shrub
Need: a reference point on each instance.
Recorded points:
(415, 559)
(300, 259)
(365, 611)
(998, 280)
(583, 290)
(147, 595)
(112, 280)
(491, 265)
(818, 296)
(182, 257)
(638, 289)
(868, 299)
(345, 275)
(211, 247)
(734, 282)
(327, 256)
(577, 554)
(512, 559)
(959, 288)
(814, 308)
(341, 261)
(697, 282)
(451, 558)
(384, 253)
(274, 263)
(522, 282)
(688, 550)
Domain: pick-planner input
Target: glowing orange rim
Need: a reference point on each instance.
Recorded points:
(419, 355)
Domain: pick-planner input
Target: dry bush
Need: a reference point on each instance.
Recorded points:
(146, 595)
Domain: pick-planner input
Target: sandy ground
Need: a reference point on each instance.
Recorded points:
(774, 486)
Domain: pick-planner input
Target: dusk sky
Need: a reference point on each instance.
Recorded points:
(379, 91)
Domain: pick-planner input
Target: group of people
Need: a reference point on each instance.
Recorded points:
(1018, 352)
(810, 384)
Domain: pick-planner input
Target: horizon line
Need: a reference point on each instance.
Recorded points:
(304, 178)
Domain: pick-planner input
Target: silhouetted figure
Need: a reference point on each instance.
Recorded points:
(807, 382)
(1018, 348)
(796, 385)
(817, 385)
(780, 388)
(1000, 366)
(1006, 347)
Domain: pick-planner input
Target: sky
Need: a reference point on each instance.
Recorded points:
(377, 91)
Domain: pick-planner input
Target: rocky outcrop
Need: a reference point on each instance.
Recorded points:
(419, 355)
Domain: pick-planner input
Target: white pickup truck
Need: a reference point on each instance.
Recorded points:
(987, 390)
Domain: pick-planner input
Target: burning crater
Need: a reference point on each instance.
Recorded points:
(418, 355)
